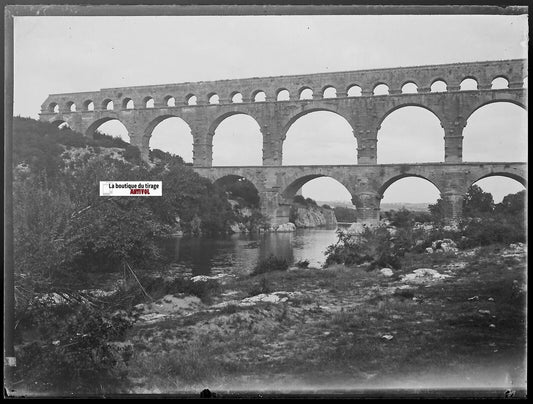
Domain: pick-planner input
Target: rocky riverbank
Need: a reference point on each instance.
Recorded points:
(312, 216)
(301, 216)
(453, 319)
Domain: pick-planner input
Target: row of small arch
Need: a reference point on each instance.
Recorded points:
(305, 93)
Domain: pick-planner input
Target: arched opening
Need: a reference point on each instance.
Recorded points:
(283, 95)
(319, 192)
(319, 137)
(107, 104)
(496, 132)
(407, 192)
(61, 124)
(329, 92)
(213, 99)
(381, 89)
(323, 190)
(260, 96)
(192, 100)
(88, 105)
(500, 186)
(170, 101)
(354, 91)
(237, 142)
(172, 135)
(127, 103)
(468, 84)
(71, 106)
(236, 98)
(239, 190)
(110, 127)
(410, 134)
(53, 107)
(439, 86)
(148, 102)
(306, 94)
(409, 88)
(499, 83)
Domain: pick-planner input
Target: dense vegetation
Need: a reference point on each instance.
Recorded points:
(483, 223)
(241, 190)
(64, 232)
(346, 215)
(305, 202)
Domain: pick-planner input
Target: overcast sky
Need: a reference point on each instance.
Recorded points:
(73, 54)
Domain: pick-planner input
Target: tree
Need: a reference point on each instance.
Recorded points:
(513, 204)
(477, 202)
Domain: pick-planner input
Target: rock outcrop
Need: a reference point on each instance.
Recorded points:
(312, 216)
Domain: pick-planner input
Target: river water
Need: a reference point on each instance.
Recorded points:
(239, 253)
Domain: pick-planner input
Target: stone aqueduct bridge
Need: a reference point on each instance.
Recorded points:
(141, 108)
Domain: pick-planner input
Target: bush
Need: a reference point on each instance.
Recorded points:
(75, 352)
(300, 200)
(243, 191)
(498, 228)
(347, 215)
(302, 264)
(132, 154)
(270, 264)
(373, 246)
(405, 218)
(161, 156)
(263, 287)
(103, 140)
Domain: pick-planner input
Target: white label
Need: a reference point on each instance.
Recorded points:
(131, 188)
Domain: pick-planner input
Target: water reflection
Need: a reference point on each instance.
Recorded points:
(239, 253)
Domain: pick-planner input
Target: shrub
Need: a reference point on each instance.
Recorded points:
(263, 287)
(299, 199)
(374, 246)
(302, 264)
(270, 264)
(75, 352)
(498, 228)
(165, 157)
(347, 215)
(103, 140)
(132, 154)
(244, 191)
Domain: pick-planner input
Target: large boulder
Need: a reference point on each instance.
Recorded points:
(313, 216)
(423, 275)
(444, 245)
(386, 272)
(358, 228)
(283, 228)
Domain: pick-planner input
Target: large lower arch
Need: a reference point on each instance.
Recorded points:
(500, 184)
(410, 133)
(496, 131)
(318, 136)
(409, 189)
(171, 134)
(237, 140)
(240, 189)
(293, 186)
(109, 126)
